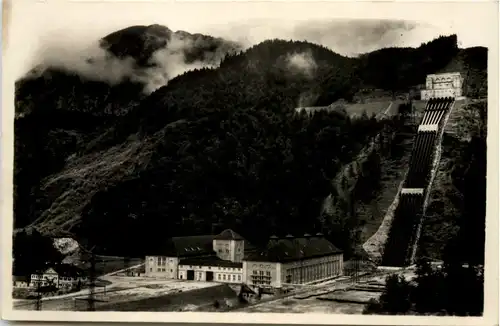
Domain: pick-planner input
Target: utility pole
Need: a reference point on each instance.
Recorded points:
(38, 304)
(357, 256)
(126, 264)
(356, 270)
(89, 252)
(91, 299)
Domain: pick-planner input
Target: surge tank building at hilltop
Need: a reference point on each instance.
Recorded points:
(443, 85)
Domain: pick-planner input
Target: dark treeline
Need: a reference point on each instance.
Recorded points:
(59, 113)
(454, 289)
(32, 252)
(397, 69)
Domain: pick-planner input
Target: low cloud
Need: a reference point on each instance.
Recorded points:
(349, 37)
(93, 62)
(169, 62)
(88, 60)
(71, 50)
(302, 62)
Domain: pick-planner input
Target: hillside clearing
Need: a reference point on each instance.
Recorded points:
(393, 171)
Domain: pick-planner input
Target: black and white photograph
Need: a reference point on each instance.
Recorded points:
(288, 159)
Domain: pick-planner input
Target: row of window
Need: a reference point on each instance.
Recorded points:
(163, 269)
(444, 91)
(44, 283)
(37, 276)
(224, 277)
(261, 282)
(220, 277)
(162, 261)
(220, 268)
(220, 251)
(261, 277)
(69, 278)
(62, 278)
(314, 272)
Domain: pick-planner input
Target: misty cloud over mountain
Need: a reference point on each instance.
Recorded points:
(302, 62)
(157, 54)
(349, 37)
(148, 55)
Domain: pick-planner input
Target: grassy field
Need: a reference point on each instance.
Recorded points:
(105, 264)
(369, 108)
(357, 109)
(203, 298)
(124, 292)
(311, 305)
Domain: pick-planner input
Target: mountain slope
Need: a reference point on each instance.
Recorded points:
(60, 109)
(156, 116)
(141, 42)
(216, 147)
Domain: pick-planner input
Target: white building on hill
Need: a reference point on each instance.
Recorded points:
(443, 85)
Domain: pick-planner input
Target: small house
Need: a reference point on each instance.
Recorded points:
(20, 281)
(60, 275)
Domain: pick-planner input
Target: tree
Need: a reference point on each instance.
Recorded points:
(32, 251)
(455, 289)
(395, 299)
(430, 288)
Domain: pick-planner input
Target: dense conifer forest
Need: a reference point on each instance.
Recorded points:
(214, 148)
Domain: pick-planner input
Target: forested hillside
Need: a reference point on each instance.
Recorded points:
(398, 69)
(60, 110)
(213, 148)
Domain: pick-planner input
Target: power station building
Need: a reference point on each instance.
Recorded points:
(443, 85)
(229, 258)
(293, 260)
(201, 258)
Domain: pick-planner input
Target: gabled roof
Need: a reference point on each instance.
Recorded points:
(193, 245)
(228, 234)
(66, 270)
(198, 245)
(292, 249)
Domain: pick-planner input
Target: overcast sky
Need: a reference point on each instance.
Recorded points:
(33, 24)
